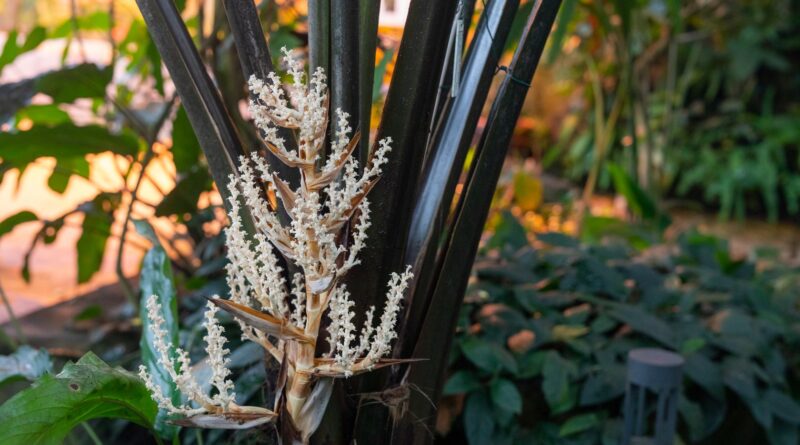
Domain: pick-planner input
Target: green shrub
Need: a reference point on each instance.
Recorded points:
(545, 330)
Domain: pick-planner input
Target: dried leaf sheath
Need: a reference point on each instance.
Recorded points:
(285, 318)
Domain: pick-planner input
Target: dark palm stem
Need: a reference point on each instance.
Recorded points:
(445, 163)
(462, 245)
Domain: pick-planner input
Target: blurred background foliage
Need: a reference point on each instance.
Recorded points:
(659, 103)
(696, 100)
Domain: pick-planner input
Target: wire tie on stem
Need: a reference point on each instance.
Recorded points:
(511, 75)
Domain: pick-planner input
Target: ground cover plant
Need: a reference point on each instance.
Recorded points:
(543, 337)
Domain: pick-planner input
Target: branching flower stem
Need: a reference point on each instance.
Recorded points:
(286, 318)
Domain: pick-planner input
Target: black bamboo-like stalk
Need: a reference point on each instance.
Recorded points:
(344, 61)
(209, 118)
(445, 163)
(368, 11)
(405, 118)
(319, 34)
(319, 44)
(462, 245)
(445, 84)
(345, 38)
(256, 60)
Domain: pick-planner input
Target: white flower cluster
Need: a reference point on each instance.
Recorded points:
(176, 363)
(374, 343)
(285, 317)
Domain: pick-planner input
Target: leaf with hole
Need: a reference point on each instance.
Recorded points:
(47, 411)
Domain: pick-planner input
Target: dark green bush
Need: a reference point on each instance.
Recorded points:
(544, 333)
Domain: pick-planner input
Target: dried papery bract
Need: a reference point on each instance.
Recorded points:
(284, 315)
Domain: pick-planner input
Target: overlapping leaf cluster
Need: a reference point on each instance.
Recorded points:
(551, 325)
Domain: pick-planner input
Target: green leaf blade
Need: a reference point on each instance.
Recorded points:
(91, 245)
(16, 219)
(156, 279)
(506, 396)
(89, 389)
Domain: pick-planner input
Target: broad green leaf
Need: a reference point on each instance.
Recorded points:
(247, 354)
(783, 405)
(558, 239)
(478, 419)
(64, 140)
(12, 50)
(155, 62)
(16, 219)
(645, 323)
(26, 363)
(737, 374)
(607, 384)
(68, 84)
(488, 356)
(579, 424)
(527, 191)
(591, 275)
(96, 21)
(63, 171)
(506, 396)
(92, 244)
(280, 37)
(531, 364)
(46, 412)
(640, 203)
(49, 114)
(146, 230)
(461, 382)
(63, 86)
(565, 333)
(183, 198)
(557, 373)
(509, 232)
(185, 148)
(692, 414)
(156, 279)
(596, 228)
(705, 373)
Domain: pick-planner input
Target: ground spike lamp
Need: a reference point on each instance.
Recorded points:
(651, 396)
